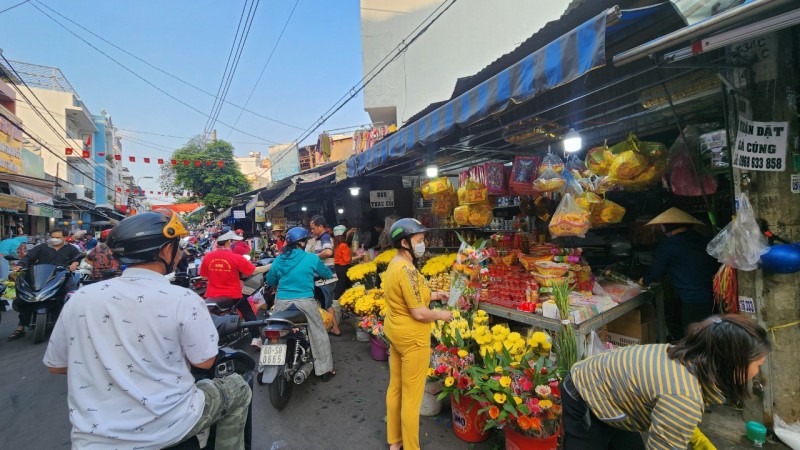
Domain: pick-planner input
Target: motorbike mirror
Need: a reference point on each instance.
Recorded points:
(11, 258)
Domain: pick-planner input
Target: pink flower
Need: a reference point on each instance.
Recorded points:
(526, 385)
(441, 369)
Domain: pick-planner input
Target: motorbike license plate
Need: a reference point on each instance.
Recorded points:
(273, 355)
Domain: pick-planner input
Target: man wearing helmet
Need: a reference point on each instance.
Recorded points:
(100, 257)
(126, 345)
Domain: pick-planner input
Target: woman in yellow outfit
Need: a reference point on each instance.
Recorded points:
(407, 326)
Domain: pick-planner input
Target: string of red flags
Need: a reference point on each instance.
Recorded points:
(128, 190)
(86, 153)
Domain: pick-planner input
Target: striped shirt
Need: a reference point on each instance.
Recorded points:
(639, 388)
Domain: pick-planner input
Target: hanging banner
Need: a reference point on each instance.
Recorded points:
(251, 204)
(30, 194)
(381, 199)
(761, 146)
(44, 211)
(10, 202)
(260, 215)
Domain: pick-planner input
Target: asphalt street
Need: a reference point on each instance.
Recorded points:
(346, 413)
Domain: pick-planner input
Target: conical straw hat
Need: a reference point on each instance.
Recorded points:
(674, 216)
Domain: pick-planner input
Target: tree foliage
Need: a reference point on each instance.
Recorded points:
(214, 185)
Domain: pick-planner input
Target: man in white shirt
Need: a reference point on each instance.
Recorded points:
(126, 346)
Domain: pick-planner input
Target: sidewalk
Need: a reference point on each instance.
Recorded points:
(725, 428)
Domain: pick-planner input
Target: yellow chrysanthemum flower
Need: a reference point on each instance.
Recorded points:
(517, 400)
(462, 353)
(498, 369)
(505, 381)
(449, 381)
(500, 398)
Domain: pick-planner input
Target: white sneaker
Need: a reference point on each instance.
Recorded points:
(256, 343)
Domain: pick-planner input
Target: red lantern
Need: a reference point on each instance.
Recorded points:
(68, 151)
(119, 189)
(147, 160)
(86, 154)
(220, 163)
(101, 154)
(208, 163)
(198, 163)
(127, 191)
(160, 161)
(174, 162)
(185, 162)
(159, 192)
(151, 192)
(132, 158)
(118, 157)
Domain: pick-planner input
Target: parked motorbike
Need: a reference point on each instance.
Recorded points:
(42, 289)
(228, 361)
(286, 358)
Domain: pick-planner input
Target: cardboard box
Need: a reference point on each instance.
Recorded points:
(638, 324)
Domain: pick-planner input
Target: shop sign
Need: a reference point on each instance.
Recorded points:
(381, 199)
(30, 194)
(251, 204)
(261, 214)
(10, 159)
(796, 183)
(10, 130)
(239, 214)
(10, 202)
(761, 146)
(341, 172)
(44, 211)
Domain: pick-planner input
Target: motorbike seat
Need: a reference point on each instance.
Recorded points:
(226, 324)
(295, 316)
(222, 302)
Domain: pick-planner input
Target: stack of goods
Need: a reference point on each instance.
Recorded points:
(630, 165)
(443, 195)
(474, 208)
(510, 286)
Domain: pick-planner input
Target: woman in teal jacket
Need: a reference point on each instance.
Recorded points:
(9, 247)
(294, 272)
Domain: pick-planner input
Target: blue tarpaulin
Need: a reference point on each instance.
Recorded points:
(559, 62)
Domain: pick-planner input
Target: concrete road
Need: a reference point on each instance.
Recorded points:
(346, 413)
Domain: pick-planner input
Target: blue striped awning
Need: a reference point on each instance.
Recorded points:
(559, 62)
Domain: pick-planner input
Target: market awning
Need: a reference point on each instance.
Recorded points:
(199, 210)
(280, 197)
(559, 62)
(31, 193)
(223, 215)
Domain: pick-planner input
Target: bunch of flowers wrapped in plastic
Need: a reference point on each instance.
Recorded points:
(383, 259)
(373, 324)
(364, 273)
(467, 265)
(519, 393)
(348, 298)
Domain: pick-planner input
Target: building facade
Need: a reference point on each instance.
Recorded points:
(256, 169)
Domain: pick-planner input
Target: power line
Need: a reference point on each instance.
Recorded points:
(12, 7)
(271, 119)
(151, 84)
(263, 69)
(358, 87)
(217, 96)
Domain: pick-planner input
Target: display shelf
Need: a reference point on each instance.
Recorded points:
(506, 207)
(451, 228)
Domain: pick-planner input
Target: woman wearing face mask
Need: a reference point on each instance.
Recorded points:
(407, 327)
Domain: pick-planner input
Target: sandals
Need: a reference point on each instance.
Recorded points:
(325, 377)
(16, 335)
(335, 334)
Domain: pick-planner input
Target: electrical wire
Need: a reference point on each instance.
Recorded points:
(181, 80)
(12, 7)
(358, 87)
(148, 82)
(263, 69)
(251, 17)
(218, 95)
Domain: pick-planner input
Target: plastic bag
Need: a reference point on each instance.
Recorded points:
(598, 160)
(571, 184)
(628, 165)
(549, 181)
(461, 215)
(589, 201)
(684, 181)
(472, 193)
(788, 434)
(435, 187)
(575, 166)
(552, 161)
(605, 184)
(569, 219)
(596, 345)
(607, 213)
(740, 244)
(480, 215)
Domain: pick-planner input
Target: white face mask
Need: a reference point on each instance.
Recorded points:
(54, 242)
(419, 249)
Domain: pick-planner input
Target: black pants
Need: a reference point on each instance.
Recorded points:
(25, 314)
(681, 314)
(247, 312)
(584, 431)
(343, 283)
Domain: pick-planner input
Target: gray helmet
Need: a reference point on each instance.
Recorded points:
(405, 228)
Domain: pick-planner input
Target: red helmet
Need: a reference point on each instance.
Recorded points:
(240, 232)
(105, 234)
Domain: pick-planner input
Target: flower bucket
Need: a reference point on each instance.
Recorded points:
(516, 441)
(362, 336)
(431, 405)
(467, 423)
(378, 349)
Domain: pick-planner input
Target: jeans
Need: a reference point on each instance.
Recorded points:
(5, 269)
(227, 401)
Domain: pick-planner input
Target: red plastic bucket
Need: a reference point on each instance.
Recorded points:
(467, 423)
(516, 441)
(378, 349)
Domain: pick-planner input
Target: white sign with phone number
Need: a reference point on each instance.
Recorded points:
(761, 146)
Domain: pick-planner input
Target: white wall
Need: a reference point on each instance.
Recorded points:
(467, 38)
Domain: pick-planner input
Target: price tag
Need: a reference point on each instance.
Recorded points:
(747, 305)
(795, 183)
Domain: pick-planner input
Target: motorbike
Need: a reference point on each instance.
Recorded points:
(228, 361)
(42, 290)
(286, 359)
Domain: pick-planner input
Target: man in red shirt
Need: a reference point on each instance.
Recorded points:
(222, 268)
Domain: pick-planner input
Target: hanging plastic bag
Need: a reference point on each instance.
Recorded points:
(480, 215)
(589, 201)
(549, 181)
(683, 179)
(627, 165)
(461, 215)
(740, 244)
(571, 184)
(605, 184)
(576, 166)
(435, 187)
(552, 161)
(472, 193)
(596, 345)
(607, 213)
(598, 160)
(569, 219)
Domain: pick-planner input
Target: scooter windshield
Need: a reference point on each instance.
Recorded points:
(42, 275)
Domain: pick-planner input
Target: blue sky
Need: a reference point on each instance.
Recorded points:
(316, 62)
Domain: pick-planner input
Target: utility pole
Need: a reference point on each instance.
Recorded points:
(215, 135)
